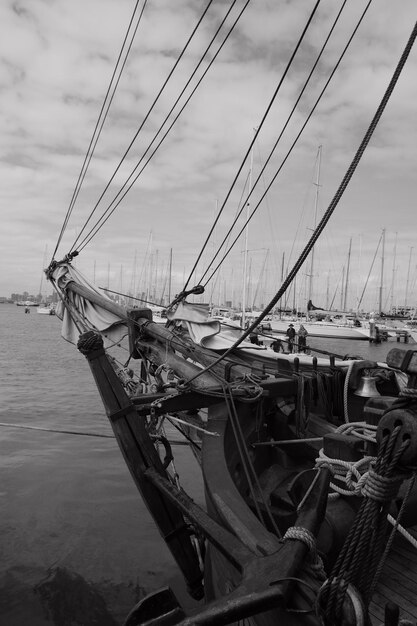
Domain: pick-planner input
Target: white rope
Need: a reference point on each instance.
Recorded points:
(361, 430)
(345, 391)
(352, 473)
(402, 530)
(348, 471)
(202, 430)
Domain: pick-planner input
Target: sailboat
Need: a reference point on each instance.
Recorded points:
(308, 471)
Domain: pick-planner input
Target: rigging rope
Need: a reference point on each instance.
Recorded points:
(293, 143)
(273, 148)
(253, 141)
(139, 130)
(334, 202)
(109, 211)
(101, 118)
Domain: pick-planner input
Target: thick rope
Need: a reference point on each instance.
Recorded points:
(303, 534)
(332, 206)
(357, 562)
(345, 391)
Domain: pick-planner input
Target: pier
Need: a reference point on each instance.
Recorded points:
(402, 335)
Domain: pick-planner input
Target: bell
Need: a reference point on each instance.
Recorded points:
(367, 387)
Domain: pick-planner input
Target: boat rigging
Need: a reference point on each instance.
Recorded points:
(293, 533)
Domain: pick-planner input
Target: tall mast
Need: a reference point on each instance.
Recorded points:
(408, 280)
(316, 203)
(149, 267)
(347, 277)
(381, 286)
(170, 276)
(245, 253)
(42, 272)
(343, 287)
(393, 273)
(327, 290)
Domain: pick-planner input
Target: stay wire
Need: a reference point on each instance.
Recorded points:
(332, 206)
(97, 131)
(253, 141)
(109, 211)
(138, 131)
(292, 145)
(280, 137)
(111, 100)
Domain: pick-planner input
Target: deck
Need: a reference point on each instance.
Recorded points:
(398, 582)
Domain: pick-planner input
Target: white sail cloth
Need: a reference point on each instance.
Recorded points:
(204, 331)
(109, 324)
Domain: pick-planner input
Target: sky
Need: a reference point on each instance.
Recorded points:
(57, 59)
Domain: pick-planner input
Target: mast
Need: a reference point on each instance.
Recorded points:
(45, 255)
(327, 290)
(245, 253)
(316, 202)
(408, 280)
(381, 286)
(393, 273)
(343, 287)
(347, 277)
(170, 276)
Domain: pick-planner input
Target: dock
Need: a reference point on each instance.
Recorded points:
(402, 335)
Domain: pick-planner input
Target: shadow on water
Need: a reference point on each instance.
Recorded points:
(63, 598)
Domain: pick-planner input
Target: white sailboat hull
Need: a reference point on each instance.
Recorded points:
(45, 310)
(324, 329)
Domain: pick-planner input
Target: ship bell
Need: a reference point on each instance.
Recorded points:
(367, 387)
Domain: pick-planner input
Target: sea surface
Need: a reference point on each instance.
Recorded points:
(77, 545)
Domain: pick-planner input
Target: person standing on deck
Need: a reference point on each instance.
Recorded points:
(291, 336)
(276, 345)
(302, 339)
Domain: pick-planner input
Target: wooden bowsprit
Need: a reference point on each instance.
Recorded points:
(140, 455)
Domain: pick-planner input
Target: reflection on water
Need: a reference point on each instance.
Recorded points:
(60, 597)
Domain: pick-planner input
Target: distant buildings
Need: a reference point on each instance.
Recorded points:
(23, 297)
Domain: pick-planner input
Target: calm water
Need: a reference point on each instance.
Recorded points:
(77, 545)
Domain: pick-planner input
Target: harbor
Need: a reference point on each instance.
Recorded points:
(208, 406)
(70, 513)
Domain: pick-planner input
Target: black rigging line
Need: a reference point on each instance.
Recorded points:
(136, 136)
(101, 119)
(252, 142)
(104, 219)
(332, 206)
(274, 147)
(293, 144)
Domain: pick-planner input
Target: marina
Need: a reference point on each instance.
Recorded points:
(191, 441)
(80, 539)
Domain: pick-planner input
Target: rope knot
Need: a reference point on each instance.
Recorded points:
(307, 537)
(381, 488)
(90, 341)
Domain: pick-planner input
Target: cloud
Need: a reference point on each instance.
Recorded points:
(56, 61)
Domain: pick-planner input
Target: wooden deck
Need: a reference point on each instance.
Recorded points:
(398, 583)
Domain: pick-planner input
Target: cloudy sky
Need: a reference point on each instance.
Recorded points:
(56, 63)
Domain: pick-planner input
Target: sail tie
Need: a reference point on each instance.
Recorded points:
(303, 534)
